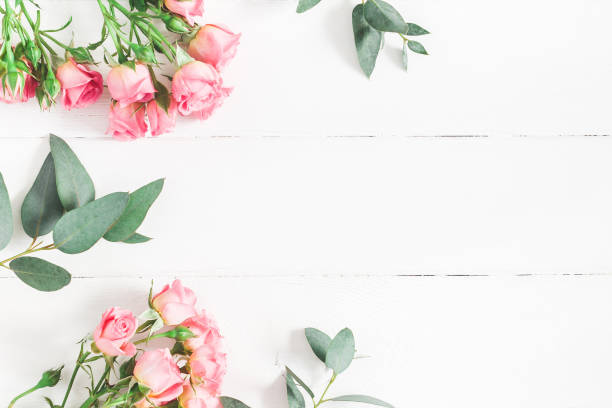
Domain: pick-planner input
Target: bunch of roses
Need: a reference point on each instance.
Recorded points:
(140, 102)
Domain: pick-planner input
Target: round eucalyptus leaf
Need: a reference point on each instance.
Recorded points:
(6, 215)
(319, 342)
(40, 274)
(341, 351)
(384, 17)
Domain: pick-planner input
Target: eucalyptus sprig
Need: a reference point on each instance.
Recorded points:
(62, 201)
(371, 20)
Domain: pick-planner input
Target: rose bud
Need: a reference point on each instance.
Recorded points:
(157, 370)
(207, 367)
(196, 396)
(186, 8)
(113, 334)
(127, 85)
(175, 303)
(198, 88)
(127, 123)
(205, 330)
(50, 378)
(17, 86)
(81, 86)
(175, 24)
(214, 44)
(161, 121)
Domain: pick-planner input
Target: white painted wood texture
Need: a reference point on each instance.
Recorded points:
(281, 217)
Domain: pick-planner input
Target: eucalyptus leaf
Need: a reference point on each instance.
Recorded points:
(383, 17)
(368, 41)
(299, 381)
(319, 342)
(6, 215)
(294, 396)
(74, 186)
(415, 29)
(341, 351)
(42, 208)
(405, 56)
(80, 229)
(305, 5)
(229, 402)
(136, 238)
(362, 398)
(417, 47)
(40, 274)
(138, 205)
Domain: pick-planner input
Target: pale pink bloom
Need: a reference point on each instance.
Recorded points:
(126, 123)
(161, 121)
(26, 89)
(196, 396)
(186, 8)
(127, 85)
(214, 44)
(157, 370)
(198, 89)
(206, 332)
(175, 303)
(80, 86)
(207, 366)
(113, 334)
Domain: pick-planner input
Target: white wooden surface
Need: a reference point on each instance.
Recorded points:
(315, 197)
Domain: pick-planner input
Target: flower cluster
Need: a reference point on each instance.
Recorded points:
(140, 103)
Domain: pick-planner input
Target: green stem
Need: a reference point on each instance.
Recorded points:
(23, 394)
(28, 251)
(72, 378)
(322, 400)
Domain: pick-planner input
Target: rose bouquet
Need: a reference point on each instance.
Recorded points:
(30, 64)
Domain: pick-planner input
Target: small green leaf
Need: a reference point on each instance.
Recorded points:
(417, 47)
(415, 29)
(6, 215)
(368, 41)
(319, 342)
(305, 5)
(127, 369)
(80, 229)
(40, 274)
(182, 57)
(405, 56)
(74, 186)
(138, 205)
(42, 207)
(362, 398)
(383, 17)
(299, 381)
(294, 396)
(136, 238)
(341, 351)
(229, 402)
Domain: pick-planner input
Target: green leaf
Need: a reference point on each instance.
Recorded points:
(127, 369)
(138, 205)
(6, 215)
(362, 398)
(229, 402)
(383, 17)
(319, 342)
(40, 274)
(299, 381)
(42, 207)
(305, 5)
(74, 186)
(415, 29)
(417, 47)
(341, 351)
(80, 229)
(294, 396)
(368, 41)
(136, 238)
(405, 56)
(182, 57)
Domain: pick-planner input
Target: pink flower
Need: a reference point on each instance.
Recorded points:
(175, 304)
(157, 370)
(126, 123)
(161, 121)
(197, 396)
(198, 88)
(80, 86)
(214, 44)
(186, 8)
(207, 366)
(26, 88)
(113, 334)
(127, 85)
(206, 331)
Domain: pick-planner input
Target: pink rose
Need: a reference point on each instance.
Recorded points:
(197, 396)
(207, 366)
(214, 44)
(157, 370)
(161, 121)
(113, 334)
(26, 88)
(126, 123)
(205, 330)
(80, 86)
(186, 8)
(127, 85)
(175, 304)
(198, 88)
